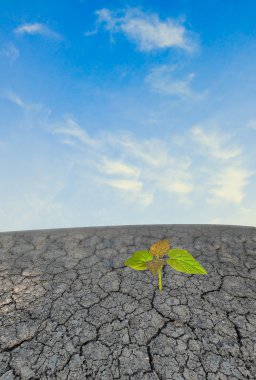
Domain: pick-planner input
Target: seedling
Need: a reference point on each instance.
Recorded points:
(179, 259)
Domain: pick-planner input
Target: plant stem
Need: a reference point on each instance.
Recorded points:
(160, 279)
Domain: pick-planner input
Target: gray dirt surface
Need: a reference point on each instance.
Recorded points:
(71, 309)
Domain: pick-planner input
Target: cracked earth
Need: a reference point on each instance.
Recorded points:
(70, 309)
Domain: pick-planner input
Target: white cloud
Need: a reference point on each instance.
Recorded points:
(71, 128)
(28, 107)
(229, 183)
(14, 98)
(130, 190)
(157, 170)
(37, 28)
(150, 173)
(117, 167)
(91, 33)
(10, 51)
(147, 31)
(34, 115)
(162, 82)
(104, 15)
(212, 143)
(161, 171)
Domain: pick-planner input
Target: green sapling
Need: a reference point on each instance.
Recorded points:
(179, 259)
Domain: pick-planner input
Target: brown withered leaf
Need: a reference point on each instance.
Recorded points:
(154, 265)
(160, 248)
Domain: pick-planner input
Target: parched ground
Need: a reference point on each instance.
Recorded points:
(71, 309)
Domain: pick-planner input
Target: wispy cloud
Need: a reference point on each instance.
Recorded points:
(143, 173)
(229, 184)
(133, 187)
(227, 179)
(34, 113)
(69, 127)
(17, 100)
(91, 33)
(10, 51)
(147, 167)
(14, 98)
(118, 167)
(212, 144)
(147, 31)
(162, 81)
(37, 28)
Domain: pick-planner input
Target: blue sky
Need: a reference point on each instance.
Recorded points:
(127, 113)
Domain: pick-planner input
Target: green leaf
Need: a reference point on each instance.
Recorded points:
(138, 260)
(183, 261)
